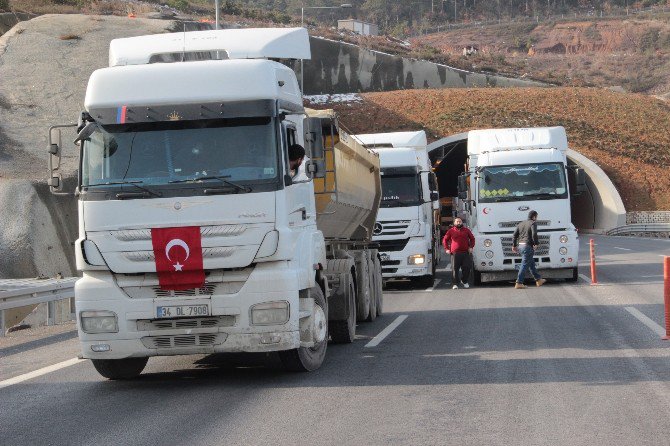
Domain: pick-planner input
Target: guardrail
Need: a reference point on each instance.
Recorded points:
(15, 293)
(640, 228)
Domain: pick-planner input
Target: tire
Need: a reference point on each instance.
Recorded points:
(374, 291)
(307, 359)
(344, 332)
(118, 369)
(363, 287)
(476, 278)
(575, 275)
(426, 281)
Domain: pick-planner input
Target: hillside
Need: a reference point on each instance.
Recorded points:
(626, 135)
(632, 54)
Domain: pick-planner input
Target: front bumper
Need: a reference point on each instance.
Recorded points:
(227, 329)
(395, 266)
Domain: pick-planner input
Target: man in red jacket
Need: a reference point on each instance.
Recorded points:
(459, 241)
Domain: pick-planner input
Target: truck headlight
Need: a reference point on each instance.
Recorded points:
(99, 322)
(416, 259)
(489, 254)
(563, 250)
(564, 238)
(270, 313)
(487, 243)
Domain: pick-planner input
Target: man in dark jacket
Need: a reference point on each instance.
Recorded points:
(459, 242)
(526, 242)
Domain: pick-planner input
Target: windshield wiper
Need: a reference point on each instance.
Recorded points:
(223, 179)
(544, 196)
(136, 184)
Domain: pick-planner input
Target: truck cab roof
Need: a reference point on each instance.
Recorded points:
(249, 43)
(500, 140)
(398, 149)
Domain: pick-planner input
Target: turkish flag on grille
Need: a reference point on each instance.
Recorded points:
(178, 253)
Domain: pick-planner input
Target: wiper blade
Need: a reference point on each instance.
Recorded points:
(544, 196)
(223, 179)
(132, 183)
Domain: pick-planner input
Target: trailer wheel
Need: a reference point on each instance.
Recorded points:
(307, 359)
(127, 368)
(380, 286)
(344, 332)
(575, 275)
(363, 287)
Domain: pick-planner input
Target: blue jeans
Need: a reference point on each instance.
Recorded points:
(527, 261)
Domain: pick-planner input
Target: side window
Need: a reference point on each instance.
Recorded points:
(432, 182)
(290, 136)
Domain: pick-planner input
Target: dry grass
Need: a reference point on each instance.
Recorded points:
(625, 134)
(69, 37)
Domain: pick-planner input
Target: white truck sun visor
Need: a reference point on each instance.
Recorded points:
(251, 43)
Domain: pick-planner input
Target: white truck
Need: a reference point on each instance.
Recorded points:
(407, 229)
(508, 173)
(194, 236)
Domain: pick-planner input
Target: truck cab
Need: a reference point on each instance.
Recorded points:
(510, 172)
(406, 228)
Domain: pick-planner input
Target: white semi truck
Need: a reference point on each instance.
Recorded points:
(194, 234)
(508, 173)
(407, 229)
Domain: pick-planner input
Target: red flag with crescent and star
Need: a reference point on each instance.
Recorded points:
(178, 253)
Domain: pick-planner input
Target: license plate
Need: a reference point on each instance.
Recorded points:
(182, 311)
(384, 257)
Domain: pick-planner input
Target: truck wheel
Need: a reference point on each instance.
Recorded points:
(127, 368)
(372, 280)
(363, 288)
(307, 359)
(426, 281)
(575, 275)
(476, 278)
(344, 332)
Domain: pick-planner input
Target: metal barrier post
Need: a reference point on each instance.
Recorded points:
(2, 323)
(594, 275)
(666, 295)
(51, 313)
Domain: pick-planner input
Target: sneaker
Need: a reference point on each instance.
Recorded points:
(466, 285)
(455, 287)
(540, 282)
(519, 286)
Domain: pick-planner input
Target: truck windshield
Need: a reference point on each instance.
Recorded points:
(522, 182)
(400, 191)
(242, 150)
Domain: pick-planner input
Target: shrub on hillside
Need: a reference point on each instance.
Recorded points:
(4, 5)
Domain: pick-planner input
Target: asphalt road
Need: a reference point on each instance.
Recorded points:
(564, 364)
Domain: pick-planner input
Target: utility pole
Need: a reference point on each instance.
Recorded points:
(216, 15)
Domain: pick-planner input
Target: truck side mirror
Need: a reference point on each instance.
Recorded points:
(434, 196)
(315, 168)
(463, 187)
(313, 138)
(55, 180)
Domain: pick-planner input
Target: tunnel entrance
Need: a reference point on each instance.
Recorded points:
(598, 208)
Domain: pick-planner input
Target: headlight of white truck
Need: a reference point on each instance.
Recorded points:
(489, 254)
(487, 243)
(416, 259)
(563, 250)
(99, 322)
(564, 238)
(270, 313)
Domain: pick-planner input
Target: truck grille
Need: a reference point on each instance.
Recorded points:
(392, 245)
(393, 227)
(543, 248)
(174, 324)
(513, 224)
(201, 340)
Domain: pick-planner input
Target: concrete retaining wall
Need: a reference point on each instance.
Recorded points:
(648, 217)
(339, 67)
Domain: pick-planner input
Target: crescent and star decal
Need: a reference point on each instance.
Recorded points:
(486, 211)
(172, 244)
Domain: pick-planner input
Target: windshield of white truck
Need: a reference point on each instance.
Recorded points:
(400, 191)
(544, 181)
(237, 153)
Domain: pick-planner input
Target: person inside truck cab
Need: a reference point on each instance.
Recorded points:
(296, 155)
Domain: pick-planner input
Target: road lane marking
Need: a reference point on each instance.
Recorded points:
(585, 278)
(623, 249)
(646, 321)
(435, 284)
(39, 372)
(387, 331)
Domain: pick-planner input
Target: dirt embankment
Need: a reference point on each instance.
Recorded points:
(633, 54)
(625, 134)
